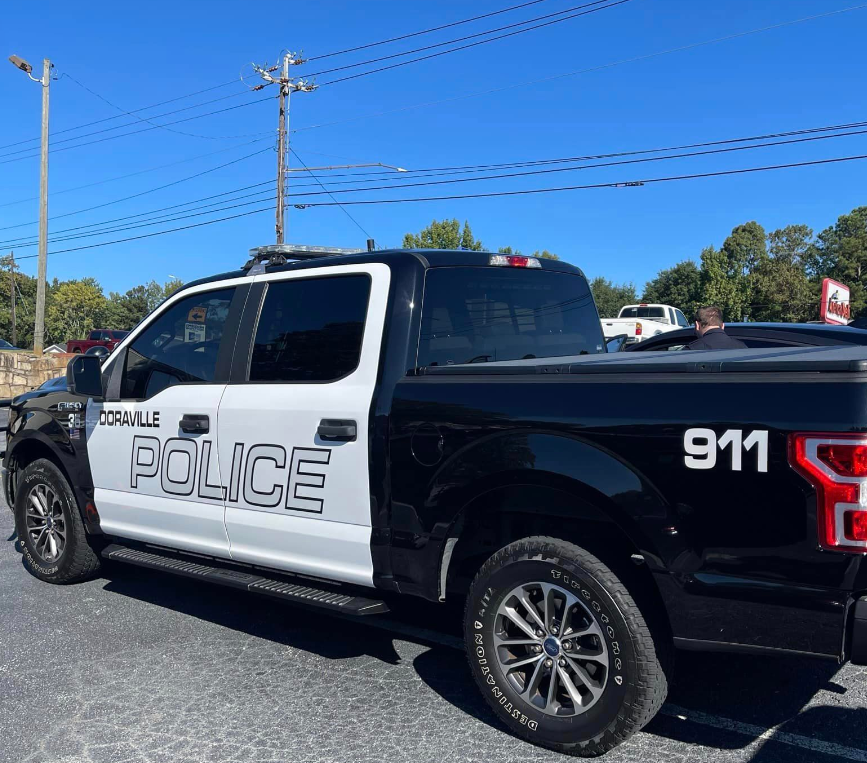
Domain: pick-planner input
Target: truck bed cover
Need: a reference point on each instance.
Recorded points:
(779, 360)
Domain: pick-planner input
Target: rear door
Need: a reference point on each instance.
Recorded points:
(294, 421)
(152, 444)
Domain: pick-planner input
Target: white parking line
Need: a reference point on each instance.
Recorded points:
(759, 732)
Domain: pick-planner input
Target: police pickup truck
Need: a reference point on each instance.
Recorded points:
(333, 430)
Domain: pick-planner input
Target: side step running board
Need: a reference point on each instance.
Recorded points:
(300, 592)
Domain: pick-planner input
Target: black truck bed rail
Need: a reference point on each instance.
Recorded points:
(847, 359)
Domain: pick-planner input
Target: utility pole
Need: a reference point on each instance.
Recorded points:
(39, 327)
(287, 87)
(12, 284)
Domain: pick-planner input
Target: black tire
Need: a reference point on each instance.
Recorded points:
(77, 351)
(76, 560)
(631, 689)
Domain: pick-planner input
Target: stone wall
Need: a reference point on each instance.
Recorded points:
(23, 371)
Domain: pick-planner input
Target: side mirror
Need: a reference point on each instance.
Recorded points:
(98, 350)
(84, 376)
(616, 343)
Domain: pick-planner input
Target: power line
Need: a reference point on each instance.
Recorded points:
(134, 111)
(135, 174)
(124, 112)
(643, 160)
(473, 44)
(134, 132)
(523, 192)
(157, 233)
(97, 229)
(459, 39)
(424, 31)
(618, 184)
(578, 72)
(148, 224)
(150, 190)
(345, 211)
(461, 169)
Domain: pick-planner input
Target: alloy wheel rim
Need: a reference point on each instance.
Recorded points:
(551, 649)
(45, 522)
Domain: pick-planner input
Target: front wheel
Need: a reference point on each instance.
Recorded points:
(48, 523)
(559, 648)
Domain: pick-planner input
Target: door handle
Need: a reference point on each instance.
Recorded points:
(195, 423)
(344, 430)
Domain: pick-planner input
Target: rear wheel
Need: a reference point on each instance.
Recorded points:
(49, 526)
(559, 648)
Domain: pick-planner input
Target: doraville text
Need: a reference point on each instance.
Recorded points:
(129, 418)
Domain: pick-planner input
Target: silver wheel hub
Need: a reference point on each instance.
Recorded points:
(551, 649)
(45, 523)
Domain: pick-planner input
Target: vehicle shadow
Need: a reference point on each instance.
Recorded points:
(726, 702)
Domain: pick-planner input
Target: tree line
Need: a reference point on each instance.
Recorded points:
(759, 276)
(754, 275)
(73, 307)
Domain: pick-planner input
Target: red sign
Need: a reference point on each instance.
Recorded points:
(835, 302)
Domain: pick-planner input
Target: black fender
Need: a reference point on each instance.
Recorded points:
(36, 433)
(597, 486)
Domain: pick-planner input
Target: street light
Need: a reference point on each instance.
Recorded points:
(39, 326)
(346, 167)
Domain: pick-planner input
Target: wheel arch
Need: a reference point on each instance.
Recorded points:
(539, 483)
(43, 438)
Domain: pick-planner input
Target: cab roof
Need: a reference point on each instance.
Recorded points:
(428, 258)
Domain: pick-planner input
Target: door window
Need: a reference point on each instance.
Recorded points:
(681, 319)
(180, 345)
(310, 329)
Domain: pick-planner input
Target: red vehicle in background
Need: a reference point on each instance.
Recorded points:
(96, 338)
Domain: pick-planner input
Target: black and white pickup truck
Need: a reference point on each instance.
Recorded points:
(336, 430)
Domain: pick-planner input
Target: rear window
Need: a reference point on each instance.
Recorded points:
(643, 312)
(476, 315)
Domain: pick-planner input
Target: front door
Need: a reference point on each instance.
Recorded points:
(152, 444)
(294, 428)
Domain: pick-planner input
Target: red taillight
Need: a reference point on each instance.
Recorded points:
(846, 460)
(638, 329)
(836, 466)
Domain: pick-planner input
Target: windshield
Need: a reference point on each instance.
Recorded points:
(476, 315)
(643, 312)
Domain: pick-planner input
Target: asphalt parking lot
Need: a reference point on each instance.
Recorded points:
(143, 667)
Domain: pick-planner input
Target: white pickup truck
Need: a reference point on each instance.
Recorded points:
(642, 321)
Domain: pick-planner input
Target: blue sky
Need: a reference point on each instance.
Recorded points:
(135, 54)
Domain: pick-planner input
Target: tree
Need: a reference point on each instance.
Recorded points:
(610, 297)
(25, 305)
(445, 234)
(791, 244)
(75, 308)
(782, 292)
(680, 286)
(840, 252)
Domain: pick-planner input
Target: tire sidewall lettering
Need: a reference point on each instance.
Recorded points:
(486, 665)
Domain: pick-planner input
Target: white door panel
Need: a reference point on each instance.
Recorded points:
(338, 551)
(167, 521)
(154, 482)
(294, 501)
